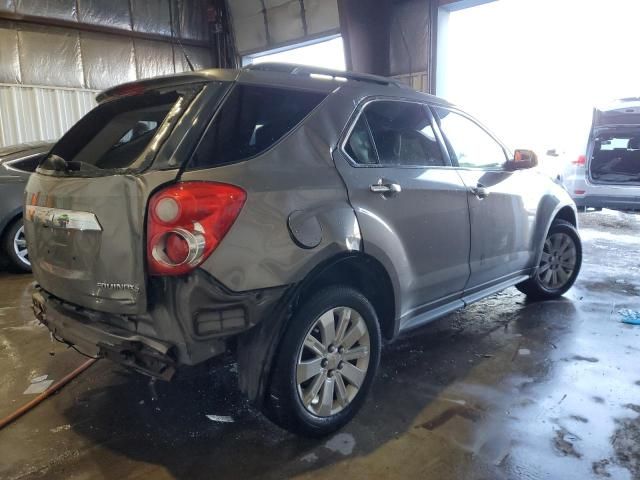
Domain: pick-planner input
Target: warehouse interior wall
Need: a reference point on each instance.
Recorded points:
(56, 55)
(44, 44)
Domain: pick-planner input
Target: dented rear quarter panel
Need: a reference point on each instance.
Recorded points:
(294, 195)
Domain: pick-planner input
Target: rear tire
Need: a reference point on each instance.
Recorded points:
(326, 363)
(559, 266)
(15, 247)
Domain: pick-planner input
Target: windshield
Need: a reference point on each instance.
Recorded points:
(113, 135)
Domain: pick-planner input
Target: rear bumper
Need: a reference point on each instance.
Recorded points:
(613, 202)
(189, 321)
(145, 354)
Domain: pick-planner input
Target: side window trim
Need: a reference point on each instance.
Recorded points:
(359, 112)
(371, 139)
(452, 158)
(442, 141)
(10, 164)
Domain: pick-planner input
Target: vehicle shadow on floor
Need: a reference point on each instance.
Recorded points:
(174, 432)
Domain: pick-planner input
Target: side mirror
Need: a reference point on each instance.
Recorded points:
(523, 159)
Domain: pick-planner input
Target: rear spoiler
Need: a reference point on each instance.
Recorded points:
(166, 82)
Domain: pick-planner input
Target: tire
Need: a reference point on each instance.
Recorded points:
(284, 404)
(12, 245)
(565, 264)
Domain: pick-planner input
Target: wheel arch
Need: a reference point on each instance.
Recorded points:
(9, 219)
(258, 347)
(362, 272)
(565, 212)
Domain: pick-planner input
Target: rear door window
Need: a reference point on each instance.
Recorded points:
(114, 134)
(402, 136)
(252, 119)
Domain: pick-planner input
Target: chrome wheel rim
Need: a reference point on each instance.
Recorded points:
(333, 361)
(20, 246)
(558, 261)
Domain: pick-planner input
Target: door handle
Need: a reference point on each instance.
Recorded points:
(388, 187)
(479, 191)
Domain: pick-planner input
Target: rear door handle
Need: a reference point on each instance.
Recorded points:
(479, 191)
(388, 187)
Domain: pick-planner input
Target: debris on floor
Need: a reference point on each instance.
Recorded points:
(310, 458)
(632, 317)
(564, 443)
(39, 379)
(38, 385)
(220, 418)
(152, 390)
(342, 443)
(61, 428)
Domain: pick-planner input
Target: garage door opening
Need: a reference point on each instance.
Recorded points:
(535, 69)
(326, 53)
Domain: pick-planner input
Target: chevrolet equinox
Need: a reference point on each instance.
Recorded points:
(297, 216)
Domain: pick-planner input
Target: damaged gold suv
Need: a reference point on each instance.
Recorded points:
(299, 215)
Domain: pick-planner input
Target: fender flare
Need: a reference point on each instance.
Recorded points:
(257, 347)
(556, 211)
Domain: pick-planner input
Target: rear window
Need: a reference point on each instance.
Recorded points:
(27, 164)
(252, 119)
(114, 134)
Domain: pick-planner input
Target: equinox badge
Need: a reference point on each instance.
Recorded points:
(119, 286)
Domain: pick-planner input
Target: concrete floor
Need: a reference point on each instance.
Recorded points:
(503, 390)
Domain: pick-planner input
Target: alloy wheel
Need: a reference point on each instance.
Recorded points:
(20, 246)
(333, 361)
(558, 261)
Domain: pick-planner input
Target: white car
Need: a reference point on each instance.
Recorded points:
(608, 174)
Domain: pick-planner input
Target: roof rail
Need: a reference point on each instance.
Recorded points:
(295, 69)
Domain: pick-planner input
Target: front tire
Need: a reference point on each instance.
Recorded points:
(559, 265)
(14, 245)
(326, 363)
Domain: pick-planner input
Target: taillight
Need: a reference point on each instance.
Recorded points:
(186, 222)
(581, 161)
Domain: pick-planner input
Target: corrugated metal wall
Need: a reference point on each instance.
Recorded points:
(50, 73)
(40, 113)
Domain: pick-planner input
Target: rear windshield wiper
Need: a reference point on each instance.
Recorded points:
(55, 162)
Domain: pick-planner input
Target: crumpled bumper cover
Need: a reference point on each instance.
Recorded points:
(144, 354)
